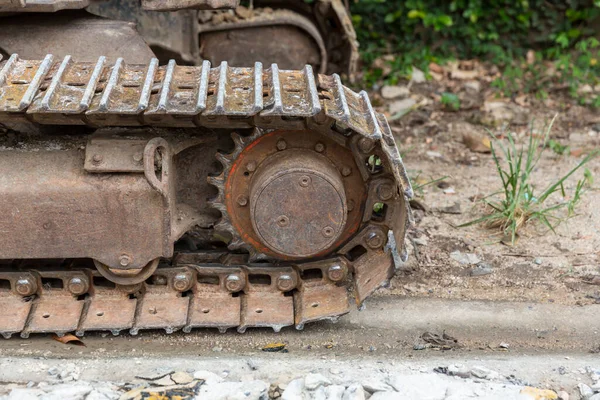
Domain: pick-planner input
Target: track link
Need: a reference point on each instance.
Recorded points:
(205, 290)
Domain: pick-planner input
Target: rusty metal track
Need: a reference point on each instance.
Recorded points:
(194, 290)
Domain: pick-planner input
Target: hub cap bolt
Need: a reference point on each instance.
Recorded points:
(305, 180)
(336, 273)
(281, 144)
(25, 287)
(124, 260)
(346, 171)
(251, 167)
(138, 157)
(328, 231)
(234, 283)
(385, 191)
(181, 282)
(242, 200)
(285, 283)
(97, 158)
(365, 145)
(319, 147)
(375, 240)
(77, 286)
(350, 205)
(283, 221)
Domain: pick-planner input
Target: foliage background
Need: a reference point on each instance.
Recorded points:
(418, 32)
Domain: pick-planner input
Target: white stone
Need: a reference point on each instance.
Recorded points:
(417, 76)
(24, 394)
(394, 92)
(402, 106)
(103, 394)
(387, 396)
(294, 390)
(208, 377)
(335, 392)
(585, 391)
(68, 392)
(373, 385)
(255, 390)
(473, 85)
(484, 373)
(595, 397)
(313, 381)
(464, 258)
(181, 378)
(354, 392)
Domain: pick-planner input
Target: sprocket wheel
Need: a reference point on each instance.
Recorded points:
(288, 194)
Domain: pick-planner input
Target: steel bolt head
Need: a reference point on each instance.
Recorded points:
(281, 144)
(346, 171)
(328, 231)
(234, 283)
(26, 286)
(283, 221)
(182, 281)
(124, 260)
(242, 200)
(385, 191)
(350, 205)
(251, 167)
(97, 158)
(285, 282)
(336, 273)
(305, 180)
(366, 145)
(77, 286)
(138, 157)
(375, 240)
(319, 147)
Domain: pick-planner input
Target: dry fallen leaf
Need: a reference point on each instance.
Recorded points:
(68, 339)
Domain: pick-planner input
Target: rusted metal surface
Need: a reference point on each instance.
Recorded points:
(79, 34)
(122, 197)
(172, 5)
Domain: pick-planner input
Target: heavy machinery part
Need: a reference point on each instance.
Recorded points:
(42, 5)
(174, 5)
(130, 193)
(75, 33)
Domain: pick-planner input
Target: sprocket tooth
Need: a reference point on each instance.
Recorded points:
(255, 255)
(239, 141)
(236, 244)
(225, 159)
(224, 227)
(218, 180)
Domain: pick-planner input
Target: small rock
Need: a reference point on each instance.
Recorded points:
(294, 390)
(181, 378)
(595, 397)
(585, 391)
(465, 258)
(433, 154)
(402, 106)
(335, 371)
(475, 86)
(453, 209)
(419, 346)
(477, 142)
(334, 392)
(243, 12)
(208, 377)
(254, 390)
(504, 345)
(394, 92)
(375, 385)
(417, 75)
(562, 395)
(481, 269)
(458, 370)
(71, 392)
(387, 396)
(25, 394)
(354, 392)
(421, 241)
(596, 387)
(484, 373)
(537, 261)
(217, 349)
(313, 381)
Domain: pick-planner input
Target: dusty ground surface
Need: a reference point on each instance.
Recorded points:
(436, 143)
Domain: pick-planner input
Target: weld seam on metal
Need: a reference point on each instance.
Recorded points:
(9, 64)
(55, 82)
(312, 90)
(36, 82)
(221, 88)
(203, 87)
(90, 89)
(147, 88)
(258, 87)
(110, 85)
(164, 93)
(342, 99)
(372, 118)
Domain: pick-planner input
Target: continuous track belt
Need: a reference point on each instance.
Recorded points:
(99, 94)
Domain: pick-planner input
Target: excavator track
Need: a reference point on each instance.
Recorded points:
(253, 283)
